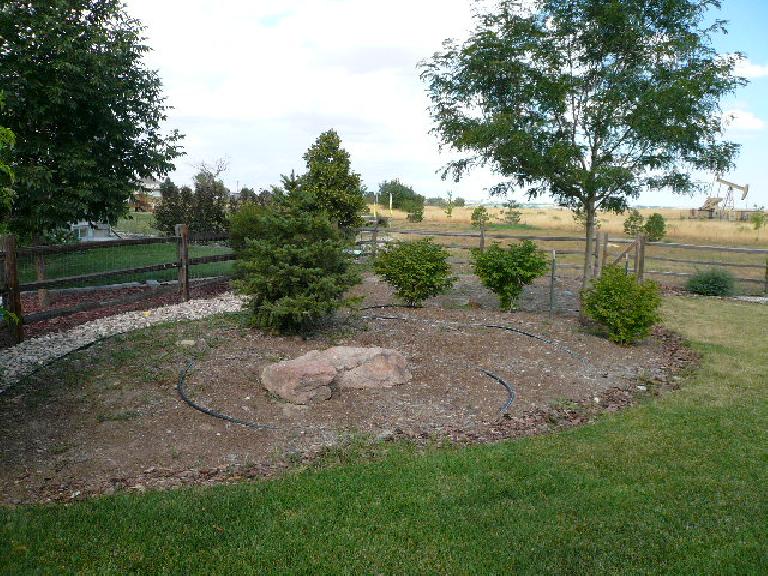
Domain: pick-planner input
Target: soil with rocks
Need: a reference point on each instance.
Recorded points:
(62, 447)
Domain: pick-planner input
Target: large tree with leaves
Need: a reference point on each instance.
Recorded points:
(86, 110)
(590, 101)
(329, 184)
(7, 142)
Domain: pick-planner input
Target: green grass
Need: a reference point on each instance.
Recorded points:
(138, 223)
(122, 257)
(673, 486)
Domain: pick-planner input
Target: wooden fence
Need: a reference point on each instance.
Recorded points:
(11, 287)
(635, 254)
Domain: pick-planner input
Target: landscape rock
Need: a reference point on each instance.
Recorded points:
(313, 376)
(300, 381)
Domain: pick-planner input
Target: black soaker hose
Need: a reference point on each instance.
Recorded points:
(511, 395)
(181, 389)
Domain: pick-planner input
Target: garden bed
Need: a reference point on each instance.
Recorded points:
(110, 418)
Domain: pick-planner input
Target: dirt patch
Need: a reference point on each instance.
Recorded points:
(83, 428)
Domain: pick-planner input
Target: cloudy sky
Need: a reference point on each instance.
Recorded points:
(256, 81)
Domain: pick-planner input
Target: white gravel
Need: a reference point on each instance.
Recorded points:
(755, 299)
(26, 357)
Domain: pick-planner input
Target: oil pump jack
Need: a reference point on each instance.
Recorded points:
(729, 203)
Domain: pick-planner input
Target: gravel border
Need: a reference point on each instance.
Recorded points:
(23, 359)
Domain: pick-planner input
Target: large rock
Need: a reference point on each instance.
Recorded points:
(300, 381)
(314, 376)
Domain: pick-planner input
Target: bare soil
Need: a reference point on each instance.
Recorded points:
(84, 429)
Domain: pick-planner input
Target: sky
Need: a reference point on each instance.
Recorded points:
(256, 81)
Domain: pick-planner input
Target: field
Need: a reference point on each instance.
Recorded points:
(674, 485)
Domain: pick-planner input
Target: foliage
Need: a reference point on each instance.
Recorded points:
(403, 197)
(655, 227)
(8, 316)
(480, 217)
(60, 237)
(628, 309)
(511, 213)
(507, 270)
(415, 211)
(633, 225)
(85, 109)
(244, 224)
(758, 220)
(712, 282)
(416, 270)
(329, 184)
(448, 208)
(293, 267)
(459, 202)
(204, 209)
(590, 101)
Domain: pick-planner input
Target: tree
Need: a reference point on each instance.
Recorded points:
(208, 212)
(587, 100)
(294, 267)
(480, 217)
(633, 224)
(85, 109)
(7, 142)
(329, 184)
(655, 228)
(171, 210)
(448, 208)
(511, 213)
(758, 220)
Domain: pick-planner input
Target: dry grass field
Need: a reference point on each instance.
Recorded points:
(560, 222)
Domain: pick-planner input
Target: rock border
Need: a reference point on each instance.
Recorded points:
(31, 355)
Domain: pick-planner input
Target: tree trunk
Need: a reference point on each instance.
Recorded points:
(589, 212)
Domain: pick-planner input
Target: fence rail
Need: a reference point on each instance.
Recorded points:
(11, 287)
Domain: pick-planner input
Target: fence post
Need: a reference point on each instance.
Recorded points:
(182, 259)
(375, 239)
(482, 236)
(765, 288)
(604, 257)
(641, 258)
(596, 272)
(13, 300)
(42, 294)
(552, 284)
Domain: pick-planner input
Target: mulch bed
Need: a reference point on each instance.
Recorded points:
(111, 433)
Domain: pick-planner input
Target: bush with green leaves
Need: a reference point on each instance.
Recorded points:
(507, 270)
(626, 308)
(712, 282)
(633, 225)
(294, 267)
(480, 217)
(655, 228)
(416, 270)
(244, 223)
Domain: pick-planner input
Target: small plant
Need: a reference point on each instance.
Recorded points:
(633, 225)
(480, 217)
(758, 220)
(507, 270)
(628, 309)
(655, 228)
(416, 270)
(414, 209)
(448, 209)
(712, 282)
(511, 213)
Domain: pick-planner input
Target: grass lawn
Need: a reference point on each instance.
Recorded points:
(677, 485)
(138, 223)
(120, 257)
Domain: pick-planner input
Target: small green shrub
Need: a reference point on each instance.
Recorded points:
(633, 225)
(416, 270)
(294, 267)
(628, 309)
(655, 227)
(415, 211)
(507, 270)
(713, 282)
